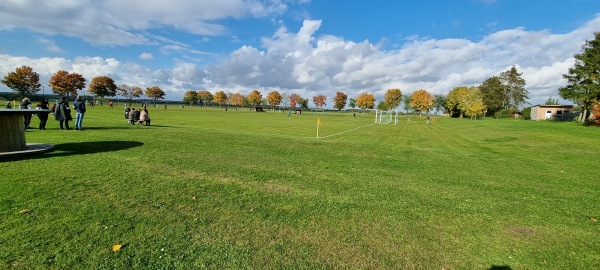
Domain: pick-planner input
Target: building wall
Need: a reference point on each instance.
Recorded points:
(541, 112)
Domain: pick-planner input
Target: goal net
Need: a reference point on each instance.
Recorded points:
(386, 117)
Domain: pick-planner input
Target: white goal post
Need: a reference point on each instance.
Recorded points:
(386, 117)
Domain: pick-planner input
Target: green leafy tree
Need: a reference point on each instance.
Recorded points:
(23, 81)
(495, 95)
(392, 98)
(382, 105)
(352, 103)
(551, 101)
(438, 102)
(406, 103)
(304, 103)
(515, 88)
(583, 79)
(190, 97)
(102, 86)
(339, 101)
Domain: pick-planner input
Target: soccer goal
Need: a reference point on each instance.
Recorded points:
(386, 117)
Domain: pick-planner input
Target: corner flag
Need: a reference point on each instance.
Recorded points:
(318, 124)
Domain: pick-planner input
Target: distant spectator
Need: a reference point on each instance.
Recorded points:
(26, 104)
(63, 113)
(136, 115)
(144, 117)
(8, 106)
(79, 106)
(42, 105)
(130, 116)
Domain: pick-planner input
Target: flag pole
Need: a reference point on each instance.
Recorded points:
(318, 124)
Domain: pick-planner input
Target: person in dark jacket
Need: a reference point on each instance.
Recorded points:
(136, 115)
(42, 105)
(63, 113)
(26, 104)
(79, 106)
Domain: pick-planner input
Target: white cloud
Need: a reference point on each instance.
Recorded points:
(117, 22)
(146, 56)
(50, 45)
(307, 63)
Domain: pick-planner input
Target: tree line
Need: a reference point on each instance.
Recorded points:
(26, 82)
(495, 95)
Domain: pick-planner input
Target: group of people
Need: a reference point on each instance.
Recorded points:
(139, 116)
(61, 111)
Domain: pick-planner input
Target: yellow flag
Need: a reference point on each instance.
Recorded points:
(319, 121)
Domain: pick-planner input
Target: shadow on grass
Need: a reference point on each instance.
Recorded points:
(83, 148)
(500, 267)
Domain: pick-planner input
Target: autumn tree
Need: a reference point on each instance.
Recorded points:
(190, 97)
(237, 100)
(365, 101)
(583, 79)
(392, 98)
(205, 97)
(102, 86)
(473, 104)
(65, 83)
(421, 100)
(274, 99)
(155, 93)
(294, 100)
(596, 114)
(129, 92)
(255, 97)
(23, 81)
(220, 98)
(320, 101)
(339, 101)
(456, 99)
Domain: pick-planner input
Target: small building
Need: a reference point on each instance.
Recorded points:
(543, 112)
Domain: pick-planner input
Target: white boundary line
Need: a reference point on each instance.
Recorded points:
(339, 133)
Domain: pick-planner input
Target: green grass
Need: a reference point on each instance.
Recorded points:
(205, 188)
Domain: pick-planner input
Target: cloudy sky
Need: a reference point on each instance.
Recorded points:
(309, 47)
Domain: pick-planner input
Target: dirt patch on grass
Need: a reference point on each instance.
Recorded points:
(277, 188)
(520, 230)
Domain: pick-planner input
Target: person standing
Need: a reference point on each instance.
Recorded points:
(8, 106)
(42, 105)
(26, 105)
(63, 113)
(79, 106)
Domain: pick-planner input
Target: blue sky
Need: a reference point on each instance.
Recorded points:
(299, 46)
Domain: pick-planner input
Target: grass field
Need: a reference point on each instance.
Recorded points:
(205, 188)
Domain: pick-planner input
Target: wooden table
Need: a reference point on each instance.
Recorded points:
(12, 128)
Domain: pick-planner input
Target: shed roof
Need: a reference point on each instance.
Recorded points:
(554, 106)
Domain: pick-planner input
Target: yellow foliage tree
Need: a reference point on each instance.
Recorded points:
(422, 100)
(274, 99)
(221, 98)
(255, 97)
(392, 98)
(365, 101)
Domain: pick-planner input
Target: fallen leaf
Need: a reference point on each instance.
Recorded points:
(116, 248)
(24, 211)
(594, 219)
(193, 198)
